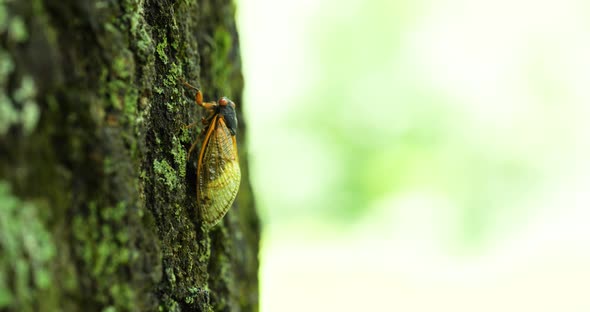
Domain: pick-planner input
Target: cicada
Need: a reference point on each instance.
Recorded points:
(218, 167)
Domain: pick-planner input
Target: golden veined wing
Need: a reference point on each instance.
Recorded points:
(218, 172)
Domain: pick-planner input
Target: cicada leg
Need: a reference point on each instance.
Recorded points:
(199, 97)
(206, 122)
(209, 106)
(190, 125)
(188, 155)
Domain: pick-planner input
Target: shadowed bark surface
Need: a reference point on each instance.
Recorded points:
(97, 199)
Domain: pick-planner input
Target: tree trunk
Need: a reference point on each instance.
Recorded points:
(97, 198)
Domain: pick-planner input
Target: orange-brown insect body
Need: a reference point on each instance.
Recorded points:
(218, 168)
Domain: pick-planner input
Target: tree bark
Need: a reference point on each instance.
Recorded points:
(97, 198)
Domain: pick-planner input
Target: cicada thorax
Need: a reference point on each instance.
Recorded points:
(218, 169)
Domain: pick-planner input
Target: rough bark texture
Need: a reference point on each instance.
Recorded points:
(97, 198)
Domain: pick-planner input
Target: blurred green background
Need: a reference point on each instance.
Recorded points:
(420, 155)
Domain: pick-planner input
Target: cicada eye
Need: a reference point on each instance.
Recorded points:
(223, 101)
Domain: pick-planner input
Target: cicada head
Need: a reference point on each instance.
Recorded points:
(227, 109)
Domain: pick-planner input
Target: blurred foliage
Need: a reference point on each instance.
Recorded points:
(381, 99)
(419, 149)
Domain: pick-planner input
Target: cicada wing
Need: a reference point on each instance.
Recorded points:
(218, 173)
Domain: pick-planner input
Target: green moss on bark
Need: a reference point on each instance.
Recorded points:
(94, 162)
(27, 250)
